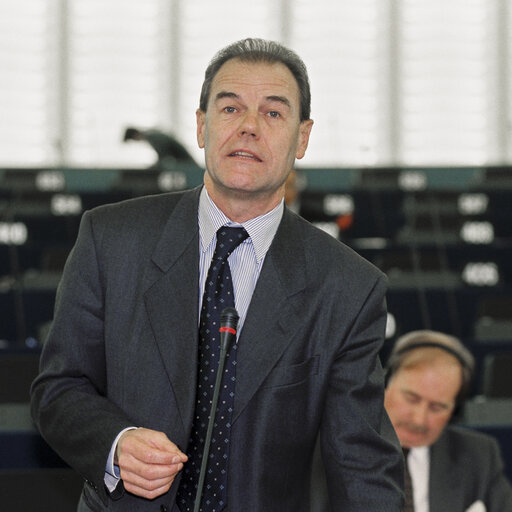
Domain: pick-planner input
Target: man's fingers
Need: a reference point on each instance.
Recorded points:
(149, 481)
(129, 464)
(150, 447)
(157, 439)
(147, 490)
(134, 448)
(148, 462)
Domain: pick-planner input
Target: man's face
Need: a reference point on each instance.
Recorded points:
(251, 130)
(420, 401)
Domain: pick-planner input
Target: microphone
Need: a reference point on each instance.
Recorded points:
(228, 324)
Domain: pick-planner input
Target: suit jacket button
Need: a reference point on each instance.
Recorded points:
(163, 508)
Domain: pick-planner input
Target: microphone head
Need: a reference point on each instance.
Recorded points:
(229, 318)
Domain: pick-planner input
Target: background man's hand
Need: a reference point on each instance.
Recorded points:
(148, 461)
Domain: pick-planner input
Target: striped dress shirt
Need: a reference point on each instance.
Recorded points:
(246, 260)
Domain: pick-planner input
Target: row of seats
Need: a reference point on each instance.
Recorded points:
(442, 236)
(477, 314)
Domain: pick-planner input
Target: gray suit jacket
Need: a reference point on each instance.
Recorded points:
(123, 351)
(465, 467)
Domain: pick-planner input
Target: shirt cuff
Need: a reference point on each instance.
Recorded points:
(112, 473)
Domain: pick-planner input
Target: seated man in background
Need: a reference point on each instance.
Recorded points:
(451, 469)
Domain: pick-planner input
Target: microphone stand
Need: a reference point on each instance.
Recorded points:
(228, 322)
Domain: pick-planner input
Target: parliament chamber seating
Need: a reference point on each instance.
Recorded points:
(443, 237)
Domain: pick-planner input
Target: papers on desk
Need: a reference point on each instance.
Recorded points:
(478, 506)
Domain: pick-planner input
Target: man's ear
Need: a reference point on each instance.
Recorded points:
(304, 132)
(201, 125)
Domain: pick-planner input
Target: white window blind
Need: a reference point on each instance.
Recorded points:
(505, 81)
(409, 82)
(116, 62)
(344, 45)
(447, 81)
(27, 100)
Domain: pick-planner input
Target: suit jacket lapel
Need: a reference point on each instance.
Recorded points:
(444, 489)
(172, 306)
(172, 302)
(274, 312)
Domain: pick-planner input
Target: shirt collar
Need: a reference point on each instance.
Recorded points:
(420, 453)
(261, 229)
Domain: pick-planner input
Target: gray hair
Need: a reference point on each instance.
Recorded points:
(260, 50)
(432, 339)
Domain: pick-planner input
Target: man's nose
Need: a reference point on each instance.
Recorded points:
(420, 415)
(250, 125)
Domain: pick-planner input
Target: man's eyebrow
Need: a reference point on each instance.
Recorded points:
(412, 394)
(226, 94)
(280, 99)
(443, 405)
(273, 98)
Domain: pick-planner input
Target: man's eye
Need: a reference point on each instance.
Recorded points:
(412, 399)
(274, 114)
(438, 408)
(229, 110)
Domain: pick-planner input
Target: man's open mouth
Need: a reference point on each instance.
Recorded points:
(245, 154)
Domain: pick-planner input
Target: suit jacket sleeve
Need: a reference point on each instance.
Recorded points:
(360, 450)
(69, 403)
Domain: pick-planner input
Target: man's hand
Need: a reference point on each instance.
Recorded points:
(148, 461)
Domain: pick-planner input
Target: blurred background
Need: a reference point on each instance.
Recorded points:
(410, 163)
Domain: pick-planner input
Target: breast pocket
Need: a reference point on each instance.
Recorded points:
(290, 375)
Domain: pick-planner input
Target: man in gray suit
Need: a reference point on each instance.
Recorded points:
(451, 469)
(119, 371)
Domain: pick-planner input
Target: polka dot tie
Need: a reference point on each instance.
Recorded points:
(218, 294)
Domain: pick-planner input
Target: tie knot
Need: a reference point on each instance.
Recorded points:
(228, 239)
